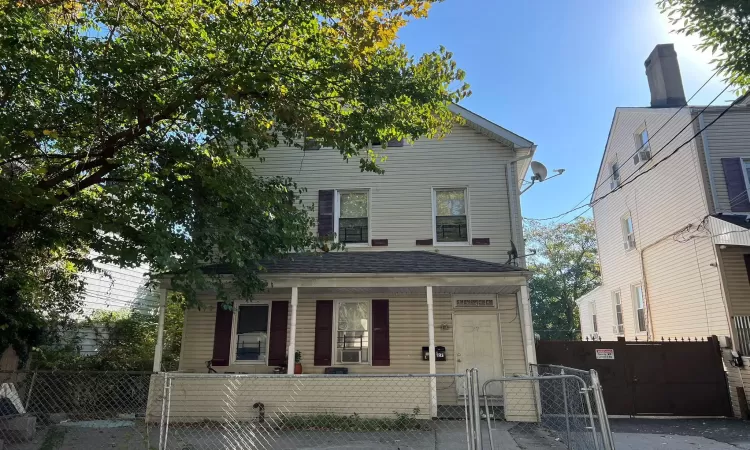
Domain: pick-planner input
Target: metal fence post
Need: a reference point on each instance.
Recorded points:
(609, 443)
(162, 420)
(565, 406)
(585, 391)
(467, 412)
(487, 413)
(477, 414)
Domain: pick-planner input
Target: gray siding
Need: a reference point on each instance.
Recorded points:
(729, 137)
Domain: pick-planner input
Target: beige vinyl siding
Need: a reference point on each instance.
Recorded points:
(604, 321)
(401, 199)
(736, 279)
(408, 334)
(682, 292)
(729, 137)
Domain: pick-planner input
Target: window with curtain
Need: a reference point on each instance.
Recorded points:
(352, 332)
(353, 217)
(451, 224)
(252, 332)
(619, 328)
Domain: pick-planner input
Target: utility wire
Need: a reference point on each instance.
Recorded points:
(647, 143)
(634, 177)
(637, 173)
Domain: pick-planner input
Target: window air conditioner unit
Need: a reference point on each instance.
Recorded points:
(350, 356)
(641, 156)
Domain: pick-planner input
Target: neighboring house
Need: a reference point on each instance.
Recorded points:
(673, 247)
(426, 264)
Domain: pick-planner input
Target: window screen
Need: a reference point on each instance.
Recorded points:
(252, 333)
(450, 215)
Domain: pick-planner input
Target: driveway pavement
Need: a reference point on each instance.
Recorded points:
(674, 434)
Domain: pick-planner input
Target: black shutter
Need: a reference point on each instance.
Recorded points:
(735, 180)
(222, 335)
(325, 213)
(277, 333)
(381, 341)
(323, 332)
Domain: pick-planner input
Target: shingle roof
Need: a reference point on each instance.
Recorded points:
(374, 262)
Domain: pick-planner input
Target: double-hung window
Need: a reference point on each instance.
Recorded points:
(642, 146)
(619, 327)
(614, 175)
(628, 232)
(451, 223)
(594, 322)
(352, 332)
(353, 217)
(251, 332)
(639, 304)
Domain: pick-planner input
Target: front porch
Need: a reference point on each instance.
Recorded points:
(476, 313)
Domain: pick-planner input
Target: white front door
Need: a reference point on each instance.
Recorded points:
(478, 345)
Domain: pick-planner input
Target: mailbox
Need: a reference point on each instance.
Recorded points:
(439, 353)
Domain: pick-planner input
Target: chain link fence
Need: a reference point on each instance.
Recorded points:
(554, 408)
(220, 411)
(71, 410)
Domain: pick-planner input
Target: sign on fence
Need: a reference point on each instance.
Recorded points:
(605, 353)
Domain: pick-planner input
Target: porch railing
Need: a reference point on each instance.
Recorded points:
(742, 327)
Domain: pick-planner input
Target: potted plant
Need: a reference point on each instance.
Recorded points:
(297, 364)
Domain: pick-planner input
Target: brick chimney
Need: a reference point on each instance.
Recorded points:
(664, 79)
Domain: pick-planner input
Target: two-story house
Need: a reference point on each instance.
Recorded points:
(426, 267)
(670, 207)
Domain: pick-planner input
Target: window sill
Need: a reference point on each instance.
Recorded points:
(353, 364)
(247, 363)
(452, 244)
(357, 244)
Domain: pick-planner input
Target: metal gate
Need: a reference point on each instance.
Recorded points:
(557, 403)
(672, 377)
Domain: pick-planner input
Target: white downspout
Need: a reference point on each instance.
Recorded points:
(160, 331)
(431, 351)
(292, 332)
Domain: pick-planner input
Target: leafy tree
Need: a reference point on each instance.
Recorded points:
(723, 27)
(124, 126)
(564, 268)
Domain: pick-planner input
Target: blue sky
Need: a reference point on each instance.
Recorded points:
(554, 71)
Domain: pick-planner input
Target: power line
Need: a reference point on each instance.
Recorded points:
(637, 174)
(648, 142)
(632, 178)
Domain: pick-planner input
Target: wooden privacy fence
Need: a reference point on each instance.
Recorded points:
(680, 378)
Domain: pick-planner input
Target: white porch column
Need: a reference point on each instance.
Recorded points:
(527, 324)
(431, 349)
(160, 330)
(292, 331)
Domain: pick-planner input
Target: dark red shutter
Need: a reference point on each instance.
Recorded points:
(222, 335)
(323, 332)
(325, 213)
(277, 334)
(735, 180)
(381, 341)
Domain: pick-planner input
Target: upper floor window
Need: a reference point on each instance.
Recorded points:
(642, 146)
(352, 219)
(450, 219)
(251, 333)
(619, 327)
(594, 322)
(614, 174)
(640, 308)
(628, 234)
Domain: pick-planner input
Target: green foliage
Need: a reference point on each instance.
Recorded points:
(565, 267)
(332, 422)
(124, 341)
(125, 127)
(723, 27)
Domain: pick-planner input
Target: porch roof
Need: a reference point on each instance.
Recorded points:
(402, 262)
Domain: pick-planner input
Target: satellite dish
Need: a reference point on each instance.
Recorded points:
(539, 171)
